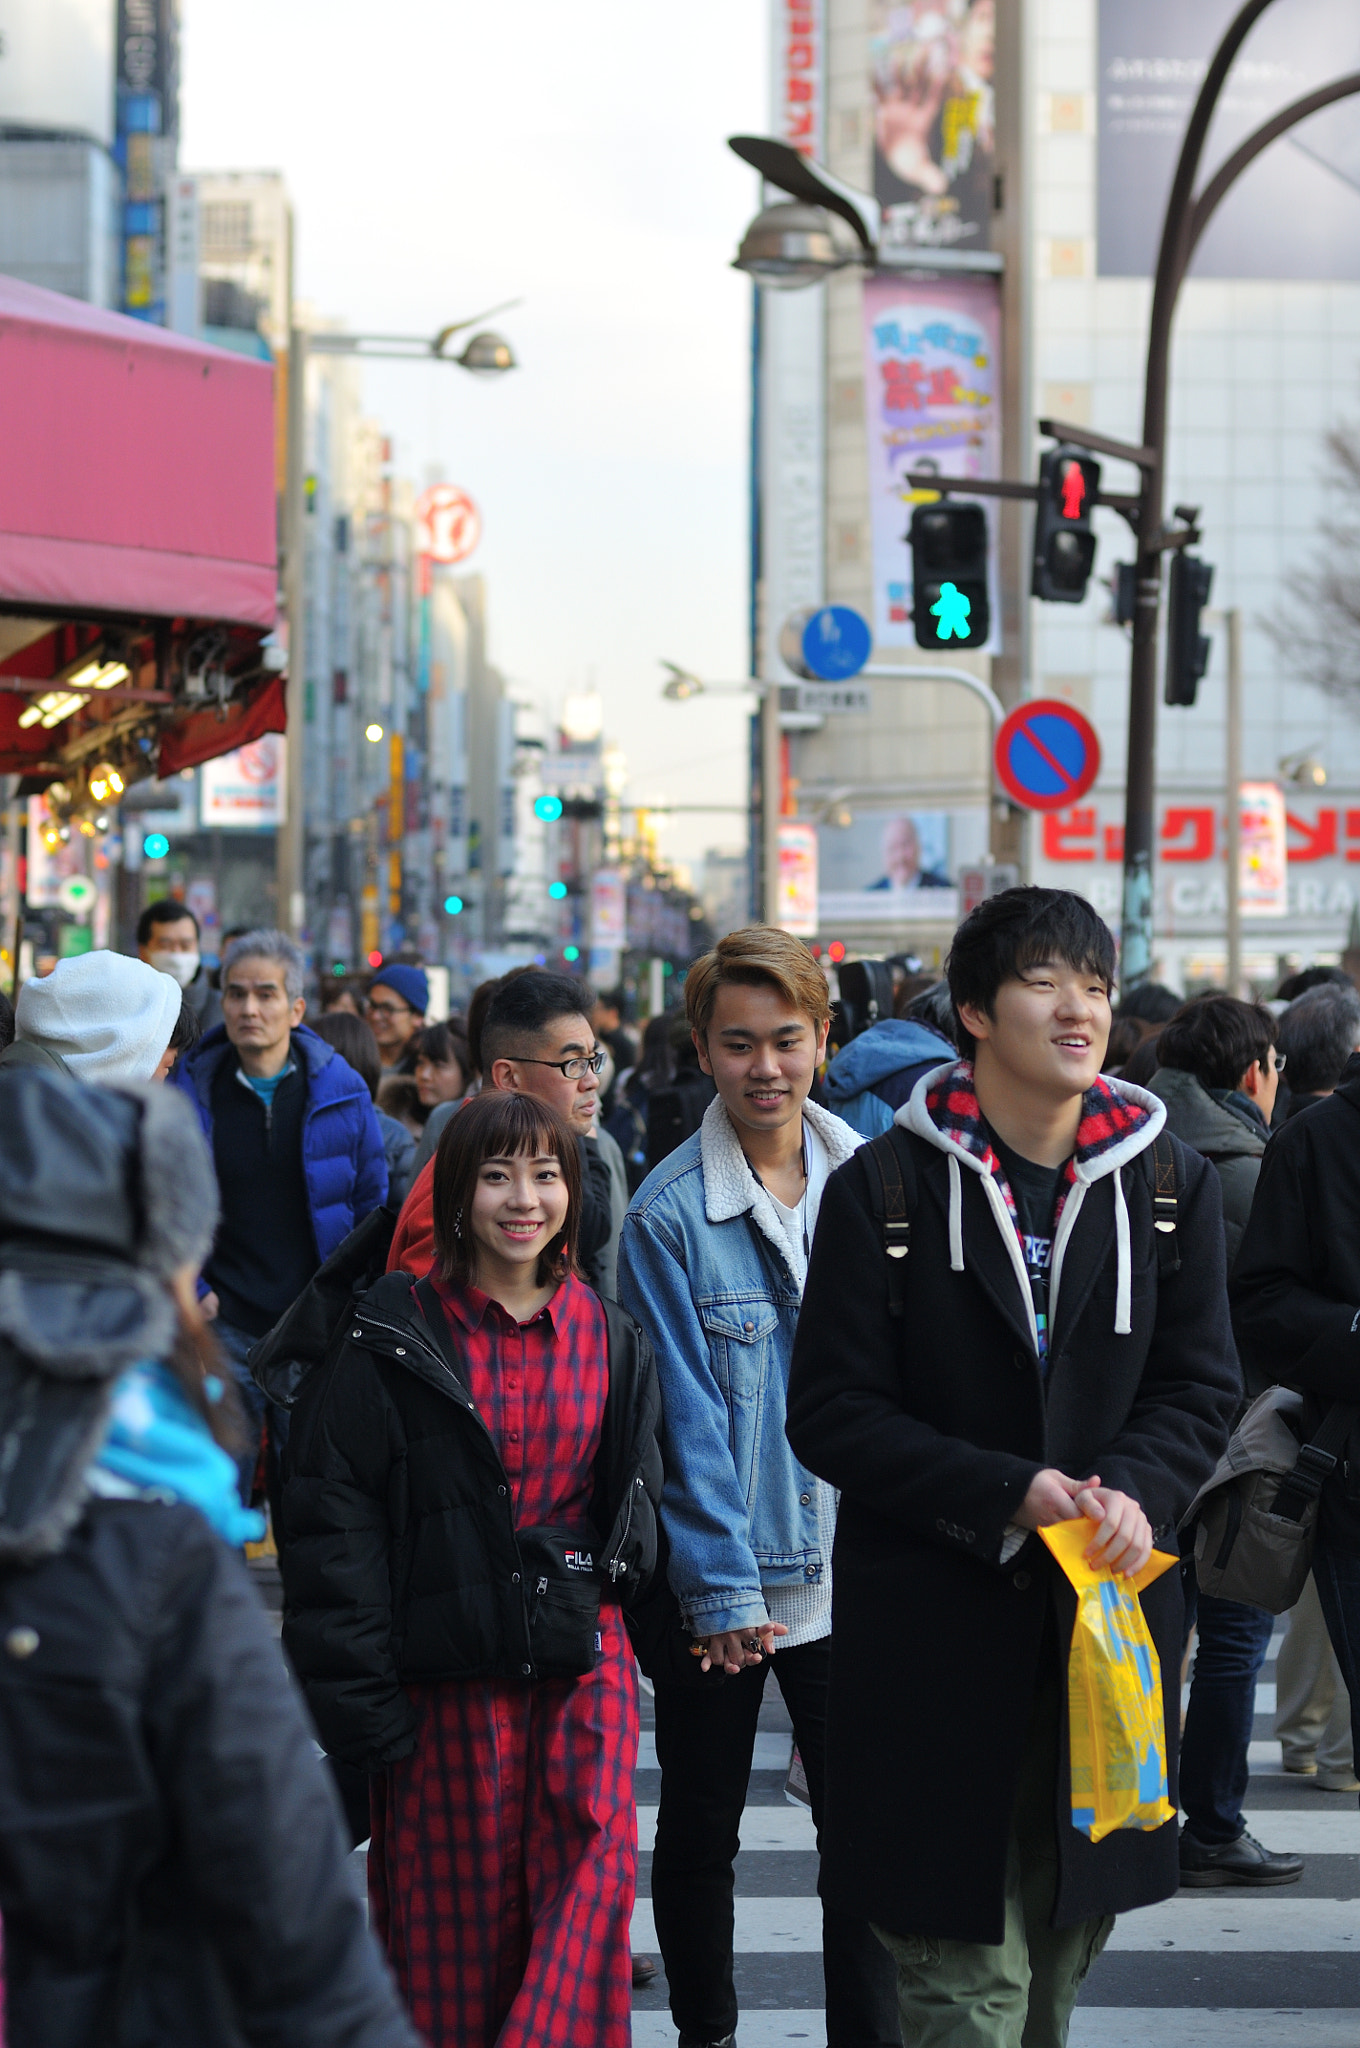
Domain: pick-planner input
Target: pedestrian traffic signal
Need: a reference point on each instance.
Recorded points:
(548, 808)
(949, 575)
(1187, 648)
(1064, 545)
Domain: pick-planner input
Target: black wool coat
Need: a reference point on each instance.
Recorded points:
(1296, 1283)
(933, 1426)
(398, 1548)
(171, 1865)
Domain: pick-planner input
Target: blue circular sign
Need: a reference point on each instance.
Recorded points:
(1047, 754)
(836, 643)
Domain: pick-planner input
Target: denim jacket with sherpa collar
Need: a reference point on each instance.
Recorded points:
(706, 1268)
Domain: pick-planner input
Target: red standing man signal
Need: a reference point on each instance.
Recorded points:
(1064, 545)
(1073, 490)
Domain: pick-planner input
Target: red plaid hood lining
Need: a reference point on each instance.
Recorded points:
(1118, 1121)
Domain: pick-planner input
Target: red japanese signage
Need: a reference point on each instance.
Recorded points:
(798, 74)
(1194, 832)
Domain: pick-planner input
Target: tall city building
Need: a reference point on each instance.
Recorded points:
(1021, 156)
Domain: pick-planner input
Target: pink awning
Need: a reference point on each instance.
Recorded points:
(137, 473)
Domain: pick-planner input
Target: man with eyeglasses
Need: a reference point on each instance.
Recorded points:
(1218, 1075)
(398, 997)
(536, 1040)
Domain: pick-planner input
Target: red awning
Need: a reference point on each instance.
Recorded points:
(138, 467)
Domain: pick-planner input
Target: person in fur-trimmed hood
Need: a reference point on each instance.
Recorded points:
(712, 1261)
(1035, 1359)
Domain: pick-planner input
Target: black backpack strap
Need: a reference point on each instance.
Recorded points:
(894, 1214)
(1159, 1164)
(1315, 1462)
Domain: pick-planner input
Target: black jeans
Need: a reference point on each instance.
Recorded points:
(1233, 1640)
(705, 1740)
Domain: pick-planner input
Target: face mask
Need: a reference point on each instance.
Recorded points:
(181, 967)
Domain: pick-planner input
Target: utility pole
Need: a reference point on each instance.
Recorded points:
(1232, 777)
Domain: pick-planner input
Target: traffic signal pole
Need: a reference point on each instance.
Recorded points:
(1186, 218)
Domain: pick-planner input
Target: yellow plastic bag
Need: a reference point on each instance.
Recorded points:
(1116, 1717)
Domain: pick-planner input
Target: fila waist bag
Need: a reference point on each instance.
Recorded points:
(1256, 1517)
(562, 1593)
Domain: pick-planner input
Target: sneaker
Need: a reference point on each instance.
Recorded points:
(1241, 1862)
(1300, 1766)
(1335, 1781)
(695, 2041)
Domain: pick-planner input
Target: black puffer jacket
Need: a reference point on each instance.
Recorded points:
(171, 1867)
(399, 1553)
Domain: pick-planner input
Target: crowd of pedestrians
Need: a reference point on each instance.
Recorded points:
(545, 1356)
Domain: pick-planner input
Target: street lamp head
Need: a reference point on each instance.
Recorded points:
(790, 245)
(488, 354)
(681, 684)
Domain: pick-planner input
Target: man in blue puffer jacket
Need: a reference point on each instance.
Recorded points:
(297, 1148)
(869, 1079)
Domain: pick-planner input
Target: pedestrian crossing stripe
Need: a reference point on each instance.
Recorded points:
(769, 1829)
(1093, 2026)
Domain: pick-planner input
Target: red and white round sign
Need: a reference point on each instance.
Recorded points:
(450, 525)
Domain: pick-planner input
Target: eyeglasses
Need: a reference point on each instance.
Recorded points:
(1281, 1062)
(389, 1010)
(574, 1070)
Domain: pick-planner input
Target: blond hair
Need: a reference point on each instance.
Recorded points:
(760, 954)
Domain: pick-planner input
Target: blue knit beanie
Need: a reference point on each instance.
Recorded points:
(407, 982)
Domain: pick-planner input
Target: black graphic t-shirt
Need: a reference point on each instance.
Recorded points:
(1036, 1190)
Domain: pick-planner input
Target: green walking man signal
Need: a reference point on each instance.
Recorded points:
(949, 574)
(951, 608)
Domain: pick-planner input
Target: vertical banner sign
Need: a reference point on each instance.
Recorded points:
(608, 909)
(798, 880)
(1262, 857)
(931, 66)
(798, 82)
(932, 387)
(147, 131)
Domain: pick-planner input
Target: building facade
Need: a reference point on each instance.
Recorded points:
(1021, 190)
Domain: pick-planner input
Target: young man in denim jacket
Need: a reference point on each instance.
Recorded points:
(712, 1262)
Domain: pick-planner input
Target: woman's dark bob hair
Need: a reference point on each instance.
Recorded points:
(1016, 929)
(496, 1125)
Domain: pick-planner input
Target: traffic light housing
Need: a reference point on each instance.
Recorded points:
(1187, 648)
(949, 575)
(1064, 545)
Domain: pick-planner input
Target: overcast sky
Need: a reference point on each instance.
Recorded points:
(443, 156)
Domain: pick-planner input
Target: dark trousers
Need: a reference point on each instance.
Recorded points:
(1336, 1573)
(236, 1344)
(705, 1740)
(1233, 1640)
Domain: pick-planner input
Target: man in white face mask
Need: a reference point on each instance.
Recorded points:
(167, 939)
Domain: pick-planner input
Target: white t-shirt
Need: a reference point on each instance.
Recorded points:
(800, 1222)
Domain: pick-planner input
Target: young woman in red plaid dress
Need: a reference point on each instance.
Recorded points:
(485, 1443)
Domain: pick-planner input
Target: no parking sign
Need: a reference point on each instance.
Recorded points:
(1047, 754)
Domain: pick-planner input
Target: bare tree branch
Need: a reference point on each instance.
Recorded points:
(1317, 630)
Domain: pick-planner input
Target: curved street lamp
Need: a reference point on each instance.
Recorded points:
(790, 245)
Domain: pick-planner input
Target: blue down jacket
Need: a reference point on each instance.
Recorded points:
(342, 1148)
(869, 1079)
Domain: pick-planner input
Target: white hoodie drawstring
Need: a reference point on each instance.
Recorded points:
(955, 1216)
(1123, 1293)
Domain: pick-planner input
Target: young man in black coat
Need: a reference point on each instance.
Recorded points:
(1296, 1311)
(1031, 1360)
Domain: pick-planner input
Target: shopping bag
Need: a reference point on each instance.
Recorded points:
(1116, 1719)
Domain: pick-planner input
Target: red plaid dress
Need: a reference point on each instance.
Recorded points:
(503, 1863)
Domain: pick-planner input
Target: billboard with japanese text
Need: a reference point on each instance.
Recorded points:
(1295, 213)
(1083, 849)
(933, 399)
